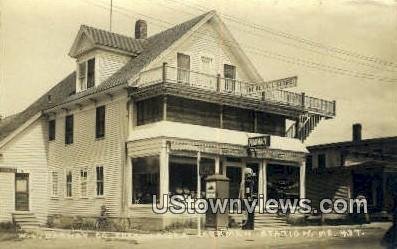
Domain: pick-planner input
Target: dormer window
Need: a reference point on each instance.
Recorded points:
(87, 74)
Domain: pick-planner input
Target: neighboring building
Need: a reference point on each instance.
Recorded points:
(366, 167)
(141, 114)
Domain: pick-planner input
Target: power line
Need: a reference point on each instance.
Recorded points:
(305, 41)
(352, 61)
(276, 56)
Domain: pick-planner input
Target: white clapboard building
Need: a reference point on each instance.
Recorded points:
(140, 114)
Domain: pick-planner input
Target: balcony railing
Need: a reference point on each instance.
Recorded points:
(257, 91)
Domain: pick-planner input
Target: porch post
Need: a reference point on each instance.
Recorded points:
(164, 171)
(263, 175)
(165, 108)
(129, 181)
(217, 164)
(302, 178)
(198, 195)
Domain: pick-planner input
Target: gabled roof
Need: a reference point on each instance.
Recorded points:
(363, 142)
(58, 94)
(103, 38)
(63, 92)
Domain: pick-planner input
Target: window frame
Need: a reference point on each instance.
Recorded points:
(87, 73)
(99, 182)
(51, 130)
(100, 122)
(84, 182)
(54, 184)
(90, 75)
(230, 82)
(69, 131)
(68, 184)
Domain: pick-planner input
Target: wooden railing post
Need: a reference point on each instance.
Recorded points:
(303, 100)
(334, 106)
(164, 76)
(218, 82)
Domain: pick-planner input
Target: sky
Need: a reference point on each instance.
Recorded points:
(36, 36)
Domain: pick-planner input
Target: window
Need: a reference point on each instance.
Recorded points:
(87, 74)
(83, 182)
(91, 73)
(51, 130)
(183, 65)
(69, 184)
(100, 122)
(54, 188)
(229, 72)
(207, 69)
(69, 129)
(82, 76)
(238, 119)
(99, 181)
(145, 180)
(149, 111)
(321, 161)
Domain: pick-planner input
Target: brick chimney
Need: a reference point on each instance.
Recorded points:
(140, 29)
(356, 132)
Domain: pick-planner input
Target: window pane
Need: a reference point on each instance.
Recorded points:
(230, 77)
(54, 183)
(83, 182)
(21, 185)
(183, 64)
(100, 122)
(149, 111)
(91, 73)
(69, 129)
(51, 130)
(99, 181)
(146, 179)
(69, 184)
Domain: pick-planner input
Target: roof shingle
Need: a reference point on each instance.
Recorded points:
(63, 92)
(114, 40)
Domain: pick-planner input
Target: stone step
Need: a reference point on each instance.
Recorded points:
(25, 220)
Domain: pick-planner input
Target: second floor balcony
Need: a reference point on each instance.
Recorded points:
(265, 91)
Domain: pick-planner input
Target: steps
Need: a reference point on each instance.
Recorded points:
(25, 220)
(261, 220)
(270, 221)
(302, 128)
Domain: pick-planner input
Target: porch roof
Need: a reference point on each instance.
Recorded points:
(210, 134)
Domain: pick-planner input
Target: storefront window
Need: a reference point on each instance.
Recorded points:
(146, 180)
(183, 175)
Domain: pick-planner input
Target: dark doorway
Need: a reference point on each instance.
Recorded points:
(282, 182)
(21, 192)
(234, 175)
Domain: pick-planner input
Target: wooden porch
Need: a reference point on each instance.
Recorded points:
(264, 92)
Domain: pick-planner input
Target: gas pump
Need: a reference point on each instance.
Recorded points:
(248, 189)
(217, 187)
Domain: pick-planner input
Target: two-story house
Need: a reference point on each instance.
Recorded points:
(145, 116)
(360, 167)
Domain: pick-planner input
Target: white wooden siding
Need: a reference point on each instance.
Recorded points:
(208, 43)
(7, 196)
(27, 153)
(89, 152)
